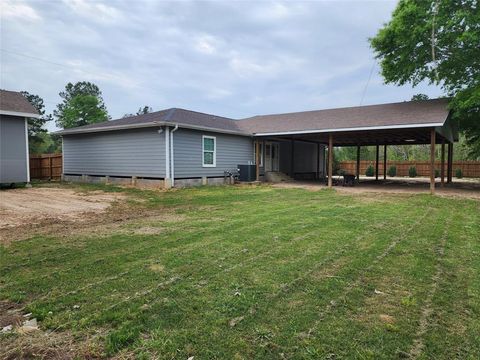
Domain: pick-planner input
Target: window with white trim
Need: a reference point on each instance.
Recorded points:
(255, 154)
(209, 146)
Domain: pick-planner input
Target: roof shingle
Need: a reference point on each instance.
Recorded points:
(400, 114)
(12, 101)
(403, 114)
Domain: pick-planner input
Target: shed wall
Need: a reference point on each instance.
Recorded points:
(138, 152)
(13, 150)
(231, 150)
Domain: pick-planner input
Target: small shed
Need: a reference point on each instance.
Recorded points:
(14, 113)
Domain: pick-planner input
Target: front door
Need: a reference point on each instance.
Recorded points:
(272, 159)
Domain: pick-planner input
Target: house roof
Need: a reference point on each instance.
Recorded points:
(409, 114)
(14, 103)
(424, 113)
(173, 116)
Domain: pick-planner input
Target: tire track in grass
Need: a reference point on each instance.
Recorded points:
(330, 257)
(136, 269)
(92, 250)
(418, 344)
(254, 215)
(440, 320)
(175, 277)
(190, 276)
(287, 287)
(30, 261)
(194, 246)
(351, 286)
(247, 260)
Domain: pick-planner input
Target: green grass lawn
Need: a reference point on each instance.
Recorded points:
(258, 273)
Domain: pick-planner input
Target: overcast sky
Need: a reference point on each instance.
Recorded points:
(235, 59)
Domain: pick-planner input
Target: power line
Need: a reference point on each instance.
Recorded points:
(34, 58)
(47, 61)
(368, 82)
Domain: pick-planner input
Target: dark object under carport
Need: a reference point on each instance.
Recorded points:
(247, 172)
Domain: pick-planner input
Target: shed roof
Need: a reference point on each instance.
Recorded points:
(14, 103)
(408, 114)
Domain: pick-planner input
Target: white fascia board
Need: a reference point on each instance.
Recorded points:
(20, 114)
(204, 128)
(150, 124)
(107, 128)
(364, 128)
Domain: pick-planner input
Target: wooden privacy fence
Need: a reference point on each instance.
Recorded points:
(469, 168)
(46, 166)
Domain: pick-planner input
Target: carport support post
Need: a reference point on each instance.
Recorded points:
(318, 161)
(292, 158)
(357, 169)
(330, 159)
(257, 160)
(449, 163)
(442, 169)
(385, 162)
(432, 161)
(376, 161)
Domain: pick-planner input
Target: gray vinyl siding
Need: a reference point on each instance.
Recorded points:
(138, 152)
(13, 150)
(231, 150)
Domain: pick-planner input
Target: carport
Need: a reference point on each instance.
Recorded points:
(406, 123)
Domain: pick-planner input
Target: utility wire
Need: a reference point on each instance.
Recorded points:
(368, 82)
(47, 61)
(34, 58)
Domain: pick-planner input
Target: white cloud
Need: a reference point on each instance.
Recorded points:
(17, 9)
(217, 93)
(206, 44)
(95, 10)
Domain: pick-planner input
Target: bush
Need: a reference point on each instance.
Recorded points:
(370, 171)
(392, 171)
(437, 173)
(412, 171)
(341, 172)
(458, 173)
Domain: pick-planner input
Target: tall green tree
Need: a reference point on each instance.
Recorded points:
(36, 127)
(437, 41)
(82, 105)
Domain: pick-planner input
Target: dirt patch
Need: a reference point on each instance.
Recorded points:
(98, 214)
(387, 319)
(49, 345)
(20, 206)
(469, 188)
(157, 268)
(148, 230)
(40, 344)
(10, 314)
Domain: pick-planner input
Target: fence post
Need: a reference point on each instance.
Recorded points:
(50, 167)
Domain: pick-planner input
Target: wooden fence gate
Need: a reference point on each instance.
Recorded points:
(46, 167)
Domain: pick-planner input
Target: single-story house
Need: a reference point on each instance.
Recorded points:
(182, 147)
(14, 112)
